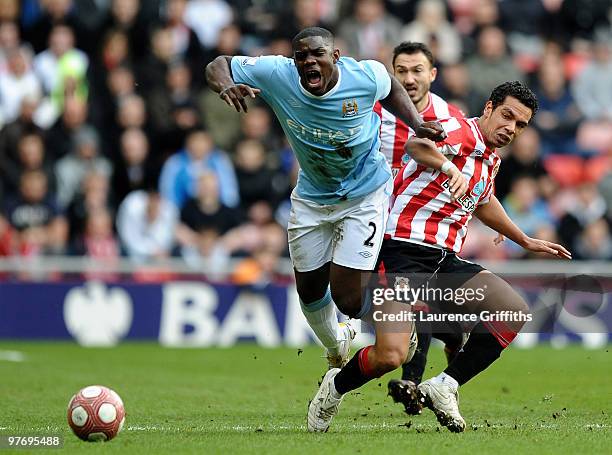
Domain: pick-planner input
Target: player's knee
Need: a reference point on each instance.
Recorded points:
(311, 292)
(390, 359)
(520, 308)
(348, 302)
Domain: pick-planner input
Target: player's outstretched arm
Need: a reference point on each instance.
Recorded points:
(219, 78)
(493, 215)
(399, 104)
(425, 152)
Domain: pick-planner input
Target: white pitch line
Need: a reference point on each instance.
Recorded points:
(12, 356)
(272, 428)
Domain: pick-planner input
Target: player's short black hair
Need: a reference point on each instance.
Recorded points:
(516, 90)
(410, 48)
(314, 31)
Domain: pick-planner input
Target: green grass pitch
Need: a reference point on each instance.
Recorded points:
(249, 399)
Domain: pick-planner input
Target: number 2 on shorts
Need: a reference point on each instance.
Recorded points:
(368, 241)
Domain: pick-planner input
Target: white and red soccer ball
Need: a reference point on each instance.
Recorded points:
(96, 413)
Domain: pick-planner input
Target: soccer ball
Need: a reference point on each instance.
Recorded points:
(96, 413)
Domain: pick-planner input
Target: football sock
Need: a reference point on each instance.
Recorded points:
(321, 316)
(355, 373)
(484, 346)
(413, 370)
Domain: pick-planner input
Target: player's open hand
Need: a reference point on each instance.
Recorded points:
(234, 95)
(543, 246)
(457, 183)
(431, 130)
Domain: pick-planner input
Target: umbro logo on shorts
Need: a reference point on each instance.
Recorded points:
(365, 254)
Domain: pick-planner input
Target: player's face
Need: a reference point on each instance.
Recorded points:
(416, 74)
(501, 125)
(315, 60)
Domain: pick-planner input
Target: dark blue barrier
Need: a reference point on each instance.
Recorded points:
(198, 314)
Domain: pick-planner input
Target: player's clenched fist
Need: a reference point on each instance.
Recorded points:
(431, 130)
(234, 96)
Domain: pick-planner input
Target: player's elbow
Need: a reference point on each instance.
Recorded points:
(219, 65)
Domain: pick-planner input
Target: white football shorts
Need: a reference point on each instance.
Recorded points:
(349, 233)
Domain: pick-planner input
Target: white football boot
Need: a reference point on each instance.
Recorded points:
(443, 400)
(339, 358)
(324, 406)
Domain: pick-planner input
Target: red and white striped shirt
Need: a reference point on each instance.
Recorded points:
(422, 211)
(394, 133)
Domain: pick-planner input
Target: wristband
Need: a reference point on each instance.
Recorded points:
(447, 166)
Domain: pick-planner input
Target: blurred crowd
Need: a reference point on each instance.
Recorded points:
(111, 144)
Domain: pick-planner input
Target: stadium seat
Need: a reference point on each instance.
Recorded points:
(566, 170)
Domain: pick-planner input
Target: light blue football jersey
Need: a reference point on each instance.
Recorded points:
(334, 136)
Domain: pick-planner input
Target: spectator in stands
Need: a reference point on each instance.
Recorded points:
(593, 86)
(223, 124)
(186, 43)
(582, 18)
(30, 157)
(526, 208)
(524, 158)
(60, 138)
(558, 116)
(179, 175)
(54, 12)
(207, 18)
(260, 231)
(259, 270)
(301, 15)
(491, 65)
(7, 238)
(9, 39)
(100, 243)
(370, 32)
(135, 167)
(93, 195)
(146, 225)
(456, 88)
(431, 27)
(108, 74)
(37, 221)
(204, 222)
(585, 206)
(84, 159)
(9, 11)
(11, 134)
(124, 15)
(595, 241)
(523, 21)
(173, 108)
(153, 68)
(61, 67)
(256, 181)
(131, 113)
(16, 84)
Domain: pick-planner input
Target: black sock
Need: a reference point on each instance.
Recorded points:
(413, 370)
(480, 351)
(451, 340)
(351, 376)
